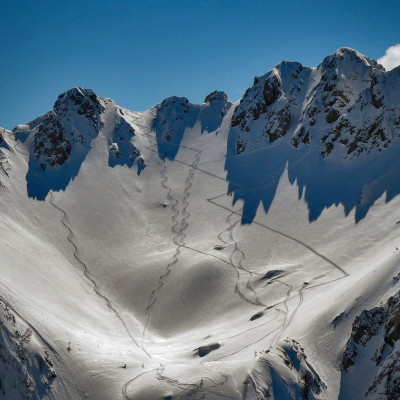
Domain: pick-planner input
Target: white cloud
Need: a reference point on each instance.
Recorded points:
(391, 59)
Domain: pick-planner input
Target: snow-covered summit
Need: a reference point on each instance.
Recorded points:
(321, 106)
(216, 96)
(346, 57)
(84, 102)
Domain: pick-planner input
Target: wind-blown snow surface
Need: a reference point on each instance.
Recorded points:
(136, 262)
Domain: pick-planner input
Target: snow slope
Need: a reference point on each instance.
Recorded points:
(138, 263)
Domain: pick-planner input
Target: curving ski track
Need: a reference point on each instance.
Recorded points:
(87, 275)
(238, 265)
(335, 265)
(236, 258)
(178, 230)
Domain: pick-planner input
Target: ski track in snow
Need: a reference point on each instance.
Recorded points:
(188, 389)
(338, 267)
(179, 233)
(175, 213)
(125, 387)
(179, 240)
(236, 259)
(289, 316)
(286, 312)
(86, 272)
(46, 342)
(239, 267)
(178, 229)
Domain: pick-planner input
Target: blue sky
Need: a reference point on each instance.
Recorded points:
(140, 52)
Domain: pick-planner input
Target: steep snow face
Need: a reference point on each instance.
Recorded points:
(135, 276)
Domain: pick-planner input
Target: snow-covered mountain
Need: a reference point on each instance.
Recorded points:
(212, 251)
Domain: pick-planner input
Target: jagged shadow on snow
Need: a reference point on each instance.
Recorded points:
(254, 175)
(169, 139)
(58, 142)
(122, 150)
(52, 168)
(39, 182)
(213, 112)
(175, 114)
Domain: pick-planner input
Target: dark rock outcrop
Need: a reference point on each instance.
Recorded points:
(50, 145)
(376, 336)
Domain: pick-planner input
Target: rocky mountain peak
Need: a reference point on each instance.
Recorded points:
(76, 95)
(347, 58)
(321, 106)
(180, 104)
(84, 102)
(375, 342)
(216, 96)
(288, 69)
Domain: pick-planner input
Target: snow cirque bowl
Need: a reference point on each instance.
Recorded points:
(243, 250)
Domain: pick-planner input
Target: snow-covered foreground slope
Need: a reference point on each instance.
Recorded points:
(206, 251)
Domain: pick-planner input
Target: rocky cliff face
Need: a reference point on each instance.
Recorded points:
(343, 105)
(71, 125)
(83, 102)
(51, 146)
(27, 370)
(56, 144)
(265, 106)
(374, 346)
